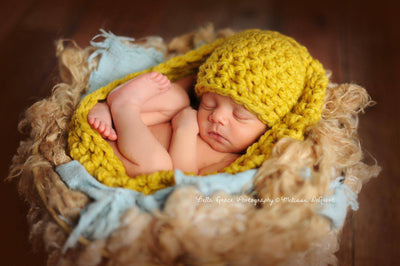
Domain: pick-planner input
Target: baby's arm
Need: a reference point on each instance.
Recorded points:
(183, 146)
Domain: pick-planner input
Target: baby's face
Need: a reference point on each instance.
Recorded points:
(227, 126)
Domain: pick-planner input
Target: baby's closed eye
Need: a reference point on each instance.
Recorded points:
(240, 116)
(243, 114)
(208, 104)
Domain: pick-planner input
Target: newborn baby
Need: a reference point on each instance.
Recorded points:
(156, 129)
(254, 86)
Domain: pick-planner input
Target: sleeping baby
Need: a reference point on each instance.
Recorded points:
(254, 87)
(156, 129)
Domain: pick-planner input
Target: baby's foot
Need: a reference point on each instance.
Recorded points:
(99, 118)
(140, 89)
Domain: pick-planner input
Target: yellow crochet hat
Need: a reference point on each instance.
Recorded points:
(270, 74)
(265, 71)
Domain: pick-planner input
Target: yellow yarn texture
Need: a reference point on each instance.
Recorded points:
(271, 74)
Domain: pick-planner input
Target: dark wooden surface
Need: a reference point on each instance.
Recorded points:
(357, 40)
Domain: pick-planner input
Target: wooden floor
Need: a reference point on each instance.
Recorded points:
(357, 40)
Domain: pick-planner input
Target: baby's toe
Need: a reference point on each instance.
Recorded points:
(154, 74)
(158, 77)
(102, 127)
(95, 123)
(91, 121)
(109, 134)
(112, 136)
(163, 78)
(165, 84)
(106, 132)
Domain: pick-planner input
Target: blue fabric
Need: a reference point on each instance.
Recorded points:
(101, 217)
(118, 60)
(334, 207)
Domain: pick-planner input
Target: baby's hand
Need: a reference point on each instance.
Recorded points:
(186, 119)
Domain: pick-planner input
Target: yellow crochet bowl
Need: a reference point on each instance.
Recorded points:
(270, 74)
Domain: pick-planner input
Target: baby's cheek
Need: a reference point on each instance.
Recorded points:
(250, 135)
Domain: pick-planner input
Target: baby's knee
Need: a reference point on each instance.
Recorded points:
(178, 98)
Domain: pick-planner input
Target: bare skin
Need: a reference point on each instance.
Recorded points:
(156, 129)
(154, 111)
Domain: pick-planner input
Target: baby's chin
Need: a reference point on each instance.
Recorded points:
(219, 147)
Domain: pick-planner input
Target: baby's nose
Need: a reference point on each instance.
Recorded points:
(219, 116)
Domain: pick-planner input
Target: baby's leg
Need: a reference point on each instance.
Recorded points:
(163, 107)
(158, 109)
(99, 118)
(140, 89)
(160, 106)
(135, 140)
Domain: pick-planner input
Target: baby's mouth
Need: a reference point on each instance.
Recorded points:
(215, 135)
